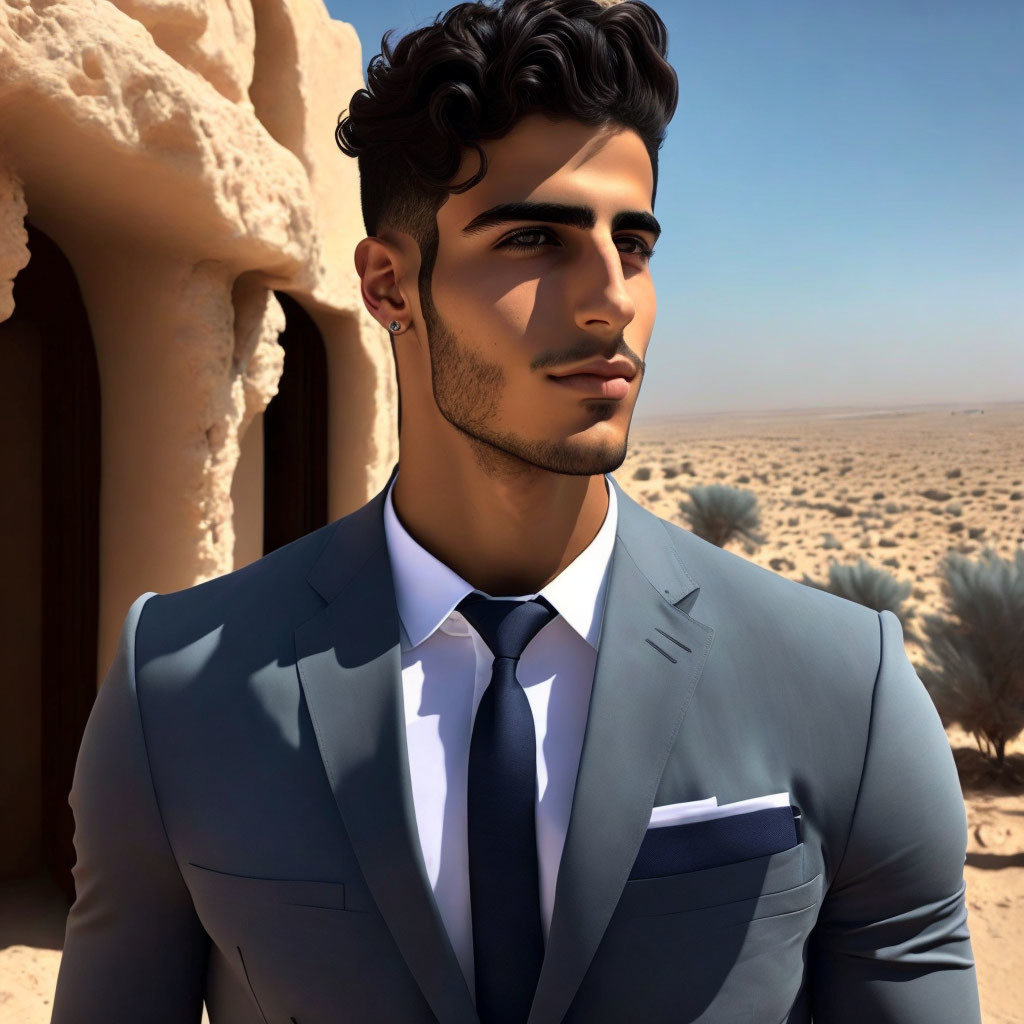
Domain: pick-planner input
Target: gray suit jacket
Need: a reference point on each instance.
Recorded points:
(245, 831)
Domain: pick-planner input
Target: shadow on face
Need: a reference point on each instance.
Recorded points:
(541, 268)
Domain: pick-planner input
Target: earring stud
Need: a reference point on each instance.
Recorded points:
(394, 326)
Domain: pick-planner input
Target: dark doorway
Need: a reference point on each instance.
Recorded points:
(54, 614)
(295, 434)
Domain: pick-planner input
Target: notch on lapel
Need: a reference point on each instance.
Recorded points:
(349, 662)
(649, 662)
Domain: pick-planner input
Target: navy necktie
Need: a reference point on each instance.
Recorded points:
(504, 886)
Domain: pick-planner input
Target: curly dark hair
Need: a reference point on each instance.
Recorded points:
(473, 74)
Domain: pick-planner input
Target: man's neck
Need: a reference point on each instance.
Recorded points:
(505, 537)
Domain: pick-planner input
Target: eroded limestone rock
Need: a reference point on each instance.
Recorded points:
(14, 252)
(214, 39)
(196, 137)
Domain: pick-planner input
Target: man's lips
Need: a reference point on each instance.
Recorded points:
(594, 385)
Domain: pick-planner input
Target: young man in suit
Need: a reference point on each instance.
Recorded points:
(501, 745)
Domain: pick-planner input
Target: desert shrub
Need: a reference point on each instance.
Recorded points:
(642, 473)
(719, 514)
(934, 494)
(974, 668)
(870, 586)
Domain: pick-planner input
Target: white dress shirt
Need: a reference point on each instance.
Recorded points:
(446, 667)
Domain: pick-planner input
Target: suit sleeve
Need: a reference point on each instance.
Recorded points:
(892, 944)
(134, 949)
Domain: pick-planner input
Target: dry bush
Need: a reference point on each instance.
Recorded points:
(974, 668)
(872, 587)
(720, 514)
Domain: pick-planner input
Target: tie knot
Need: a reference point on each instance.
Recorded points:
(507, 627)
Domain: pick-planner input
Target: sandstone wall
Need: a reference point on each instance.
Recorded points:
(182, 155)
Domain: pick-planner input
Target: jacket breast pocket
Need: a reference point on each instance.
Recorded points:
(755, 878)
(722, 943)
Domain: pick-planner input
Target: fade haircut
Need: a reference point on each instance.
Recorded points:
(472, 74)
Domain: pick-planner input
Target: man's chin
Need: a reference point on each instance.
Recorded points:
(595, 450)
(584, 456)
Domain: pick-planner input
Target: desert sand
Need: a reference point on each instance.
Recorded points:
(897, 487)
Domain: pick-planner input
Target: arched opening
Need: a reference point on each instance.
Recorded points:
(295, 434)
(49, 537)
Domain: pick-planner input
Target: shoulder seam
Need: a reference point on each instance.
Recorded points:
(867, 747)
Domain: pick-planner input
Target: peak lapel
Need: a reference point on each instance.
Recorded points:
(649, 662)
(349, 663)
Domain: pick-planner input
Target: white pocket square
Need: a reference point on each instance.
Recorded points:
(705, 810)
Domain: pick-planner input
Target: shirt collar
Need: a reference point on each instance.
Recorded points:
(427, 591)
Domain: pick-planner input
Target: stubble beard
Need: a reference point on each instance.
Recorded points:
(468, 391)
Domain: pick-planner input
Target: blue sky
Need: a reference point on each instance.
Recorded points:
(842, 197)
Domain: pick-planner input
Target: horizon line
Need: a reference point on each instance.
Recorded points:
(875, 407)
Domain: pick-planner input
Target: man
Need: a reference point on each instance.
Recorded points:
(502, 745)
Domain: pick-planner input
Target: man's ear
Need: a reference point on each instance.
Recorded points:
(380, 265)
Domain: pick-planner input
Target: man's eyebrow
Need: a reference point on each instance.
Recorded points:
(559, 213)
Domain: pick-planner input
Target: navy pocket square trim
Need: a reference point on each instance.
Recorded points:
(671, 849)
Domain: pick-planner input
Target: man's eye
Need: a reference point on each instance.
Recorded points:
(516, 242)
(643, 250)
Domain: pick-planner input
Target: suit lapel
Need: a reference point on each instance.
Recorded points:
(349, 664)
(649, 663)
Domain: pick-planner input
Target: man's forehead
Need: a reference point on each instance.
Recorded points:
(563, 164)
